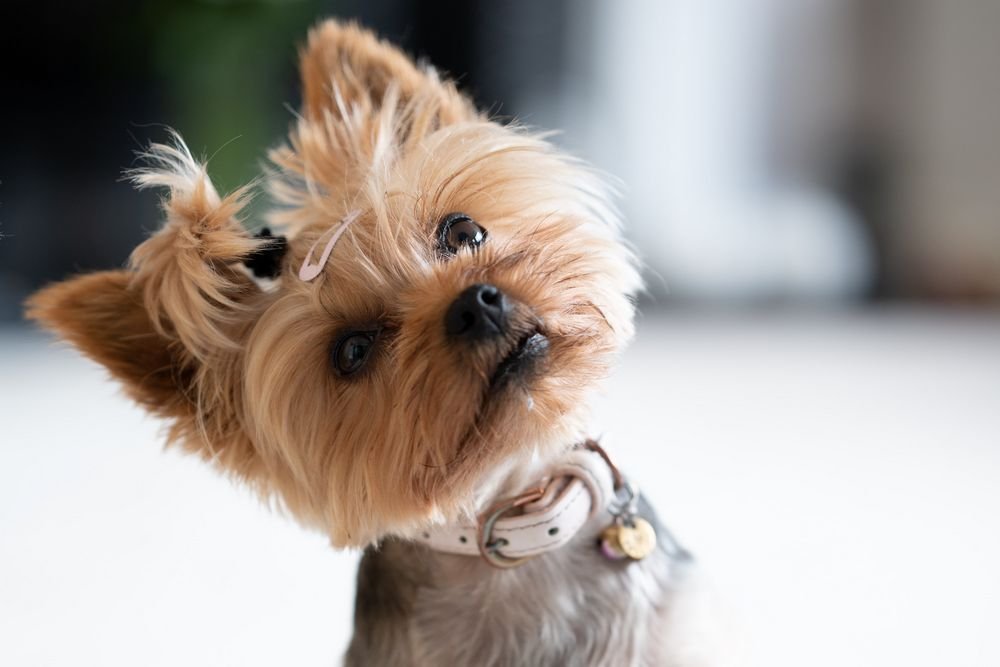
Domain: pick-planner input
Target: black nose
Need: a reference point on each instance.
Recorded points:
(479, 312)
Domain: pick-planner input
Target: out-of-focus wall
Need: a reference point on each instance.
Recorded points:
(805, 151)
(691, 102)
(930, 92)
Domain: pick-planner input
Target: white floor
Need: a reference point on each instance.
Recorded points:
(838, 476)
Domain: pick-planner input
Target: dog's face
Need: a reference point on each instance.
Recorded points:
(475, 293)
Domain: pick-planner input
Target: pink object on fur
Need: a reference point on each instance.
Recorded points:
(309, 271)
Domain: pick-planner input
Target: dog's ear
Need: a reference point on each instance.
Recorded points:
(346, 70)
(172, 326)
(365, 104)
(103, 315)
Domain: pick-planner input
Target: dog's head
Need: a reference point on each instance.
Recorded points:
(451, 291)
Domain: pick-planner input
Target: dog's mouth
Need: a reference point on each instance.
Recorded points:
(522, 358)
(521, 362)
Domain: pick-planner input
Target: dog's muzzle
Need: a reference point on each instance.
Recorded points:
(480, 312)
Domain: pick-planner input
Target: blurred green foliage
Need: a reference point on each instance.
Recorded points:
(227, 70)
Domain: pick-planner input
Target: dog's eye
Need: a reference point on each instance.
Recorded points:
(351, 351)
(457, 230)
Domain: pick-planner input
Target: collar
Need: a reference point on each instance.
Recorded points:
(543, 518)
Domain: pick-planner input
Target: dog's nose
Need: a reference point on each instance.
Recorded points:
(479, 312)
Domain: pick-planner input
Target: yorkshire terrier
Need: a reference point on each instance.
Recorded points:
(408, 368)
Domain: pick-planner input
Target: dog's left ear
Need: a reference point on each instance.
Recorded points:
(364, 103)
(349, 72)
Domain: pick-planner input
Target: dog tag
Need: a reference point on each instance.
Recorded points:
(610, 546)
(636, 539)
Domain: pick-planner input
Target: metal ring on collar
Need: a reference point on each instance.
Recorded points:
(489, 548)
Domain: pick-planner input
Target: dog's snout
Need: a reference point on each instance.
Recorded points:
(479, 312)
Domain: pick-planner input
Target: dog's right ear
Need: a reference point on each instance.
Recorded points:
(173, 326)
(103, 315)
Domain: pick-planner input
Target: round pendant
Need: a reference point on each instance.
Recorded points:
(610, 546)
(637, 540)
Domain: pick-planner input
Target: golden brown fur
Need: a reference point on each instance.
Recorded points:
(242, 374)
(420, 435)
(423, 434)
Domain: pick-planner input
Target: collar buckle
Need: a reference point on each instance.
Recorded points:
(489, 547)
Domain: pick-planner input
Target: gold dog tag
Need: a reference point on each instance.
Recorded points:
(636, 540)
(610, 546)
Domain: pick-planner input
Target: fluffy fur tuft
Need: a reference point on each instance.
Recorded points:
(185, 270)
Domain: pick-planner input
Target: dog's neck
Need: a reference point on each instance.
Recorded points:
(450, 608)
(514, 477)
(526, 519)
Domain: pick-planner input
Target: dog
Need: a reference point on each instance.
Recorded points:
(408, 367)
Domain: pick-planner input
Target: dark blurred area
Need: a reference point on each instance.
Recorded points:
(775, 152)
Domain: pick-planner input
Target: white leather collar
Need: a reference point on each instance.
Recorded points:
(540, 520)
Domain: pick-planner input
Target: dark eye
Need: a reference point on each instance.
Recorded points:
(457, 231)
(351, 351)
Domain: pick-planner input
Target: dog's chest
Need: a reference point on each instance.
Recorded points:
(572, 607)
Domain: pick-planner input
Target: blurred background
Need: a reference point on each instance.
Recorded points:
(814, 396)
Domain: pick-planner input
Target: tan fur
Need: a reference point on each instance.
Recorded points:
(406, 443)
(244, 375)
(104, 316)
